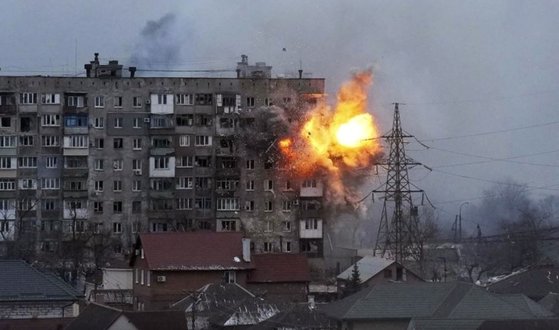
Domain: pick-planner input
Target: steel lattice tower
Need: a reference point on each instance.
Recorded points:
(397, 236)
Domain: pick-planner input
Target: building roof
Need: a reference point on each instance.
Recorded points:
(99, 317)
(368, 267)
(551, 303)
(298, 316)
(456, 300)
(280, 268)
(20, 281)
(534, 282)
(95, 317)
(548, 324)
(193, 251)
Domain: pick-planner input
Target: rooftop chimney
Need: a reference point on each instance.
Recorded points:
(132, 70)
(300, 73)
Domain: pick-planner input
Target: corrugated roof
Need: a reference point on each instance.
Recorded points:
(194, 251)
(368, 267)
(95, 317)
(280, 268)
(20, 281)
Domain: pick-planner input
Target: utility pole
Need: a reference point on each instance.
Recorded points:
(460, 221)
(397, 234)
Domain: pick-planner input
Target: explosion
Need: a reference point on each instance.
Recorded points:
(336, 140)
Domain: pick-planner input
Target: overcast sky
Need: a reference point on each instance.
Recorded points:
(461, 67)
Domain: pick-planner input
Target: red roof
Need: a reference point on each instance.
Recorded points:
(280, 268)
(194, 251)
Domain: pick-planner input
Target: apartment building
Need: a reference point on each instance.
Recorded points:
(124, 155)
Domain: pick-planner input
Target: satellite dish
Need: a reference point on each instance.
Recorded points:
(236, 259)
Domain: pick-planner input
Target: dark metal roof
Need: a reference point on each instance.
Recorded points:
(535, 282)
(20, 281)
(280, 268)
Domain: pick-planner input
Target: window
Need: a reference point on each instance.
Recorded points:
(203, 140)
(118, 101)
(250, 164)
(28, 98)
(287, 246)
(311, 224)
(51, 162)
(117, 229)
(268, 247)
(268, 185)
(136, 122)
(249, 205)
(184, 120)
(227, 204)
(50, 140)
(117, 185)
(161, 184)
(269, 227)
(26, 141)
(5, 122)
(309, 184)
(6, 163)
(250, 185)
(204, 99)
(250, 101)
(25, 124)
(227, 184)
(162, 204)
(98, 207)
(99, 122)
(118, 143)
(137, 164)
(185, 99)
(288, 185)
(117, 164)
(7, 141)
(136, 206)
(161, 163)
(118, 122)
(184, 203)
(51, 183)
(161, 98)
(203, 203)
(203, 183)
(51, 98)
(268, 206)
(137, 144)
(230, 276)
(286, 206)
(99, 101)
(27, 162)
(99, 164)
(7, 184)
(286, 226)
(99, 143)
(136, 185)
(75, 121)
(184, 140)
(117, 207)
(185, 182)
(75, 101)
(136, 101)
(50, 120)
(76, 141)
(98, 186)
(50, 204)
(228, 225)
(185, 161)
(161, 142)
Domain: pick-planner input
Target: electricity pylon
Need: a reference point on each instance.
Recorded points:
(397, 235)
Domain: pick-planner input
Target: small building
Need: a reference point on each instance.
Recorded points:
(280, 276)
(26, 292)
(374, 270)
(100, 317)
(169, 265)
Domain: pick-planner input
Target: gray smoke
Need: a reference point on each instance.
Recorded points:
(158, 47)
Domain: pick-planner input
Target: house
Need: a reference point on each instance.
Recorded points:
(299, 317)
(281, 276)
(535, 282)
(169, 265)
(374, 270)
(423, 305)
(100, 317)
(27, 293)
(225, 305)
(115, 287)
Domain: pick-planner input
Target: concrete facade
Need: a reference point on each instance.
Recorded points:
(125, 155)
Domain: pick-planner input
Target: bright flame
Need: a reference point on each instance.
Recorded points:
(338, 140)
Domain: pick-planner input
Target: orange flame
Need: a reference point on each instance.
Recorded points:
(338, 140)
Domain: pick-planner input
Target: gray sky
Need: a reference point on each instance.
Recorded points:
(462, 68)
